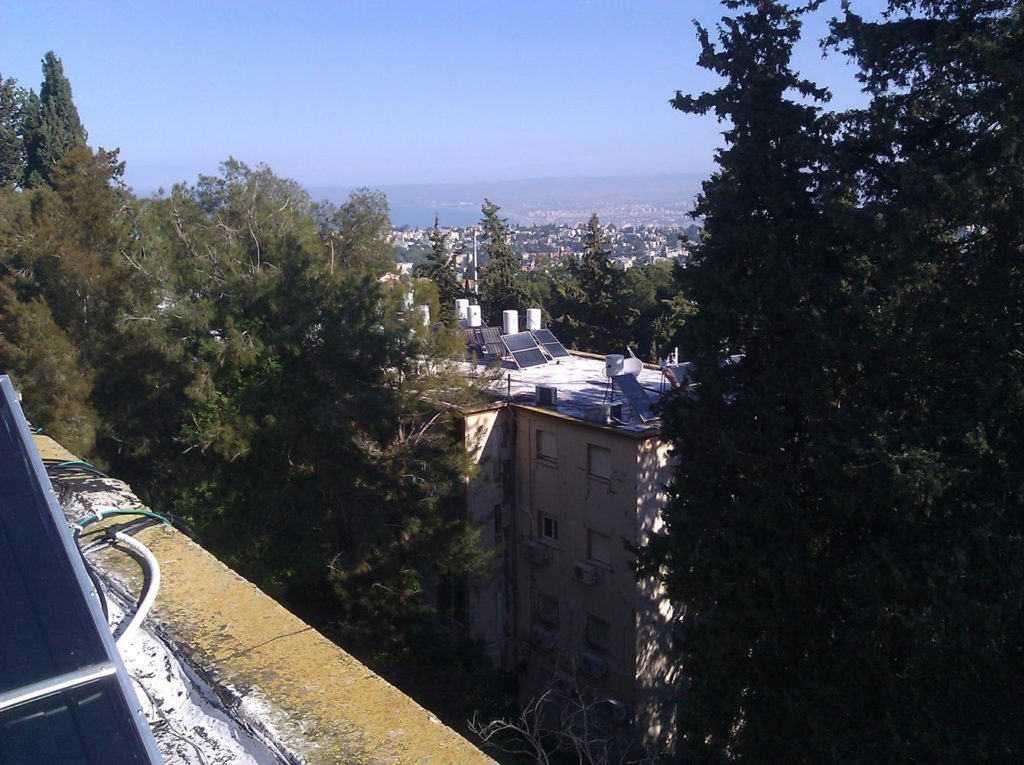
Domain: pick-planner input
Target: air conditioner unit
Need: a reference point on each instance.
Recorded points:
(547, 395)
(543, 638)
(613, 710)
(537, 553)
(593, 664)
(584, 573)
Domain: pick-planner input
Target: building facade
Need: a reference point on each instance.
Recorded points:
(564, 494)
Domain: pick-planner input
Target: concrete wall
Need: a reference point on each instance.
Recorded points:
(604, 489)
(490, 495)
(563, 487)
(658, 675)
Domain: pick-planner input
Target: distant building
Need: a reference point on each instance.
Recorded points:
(571, 480)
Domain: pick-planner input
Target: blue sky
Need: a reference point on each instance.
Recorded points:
(388, 91)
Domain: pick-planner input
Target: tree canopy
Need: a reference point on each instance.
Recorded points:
(499, 288)
(845, 482)
(439, 267)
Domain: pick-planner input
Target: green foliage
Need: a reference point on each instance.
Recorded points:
(845, 520)
(287, 408)
(51, 126)
(500, 289)
(439, 267)
(595, 303)
(360, 232)
(44, 366)
(61, 254)
(12, 147)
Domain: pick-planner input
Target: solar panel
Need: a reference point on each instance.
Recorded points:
(531, 357)
(550, 343)
(491, 337)
(64, 693)
(520, 341)
(636, 396)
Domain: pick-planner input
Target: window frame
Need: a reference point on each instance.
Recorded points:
(543, 615)
(591, 533)
(591, 450)
(589, 637)
(542, 520)
(551, 457)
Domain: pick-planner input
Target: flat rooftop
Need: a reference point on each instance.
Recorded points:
(583, 389)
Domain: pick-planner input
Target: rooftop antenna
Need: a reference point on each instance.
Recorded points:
(476, 273)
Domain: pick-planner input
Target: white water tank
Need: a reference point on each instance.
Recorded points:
(474, 316)
(424, 311)
(532, 318)
(613, 364)
(462, 308)
(510, 322)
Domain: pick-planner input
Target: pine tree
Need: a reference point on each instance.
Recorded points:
(46, 369)
(598, 308)
(361, 232)
(499, 288)
(52, 126)
(440, 268)
(12, 147)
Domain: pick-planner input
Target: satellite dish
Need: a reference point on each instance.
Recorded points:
(632, 367)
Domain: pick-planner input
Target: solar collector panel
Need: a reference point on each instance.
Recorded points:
(491, 337)
(520, 341)
(531, 357)
(636, 396)
(550, 343)
(64, 695)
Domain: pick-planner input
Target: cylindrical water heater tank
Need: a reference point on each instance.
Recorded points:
(613, 363)
(474, 316)
(533, 318)
(510, 322)
(462, 308)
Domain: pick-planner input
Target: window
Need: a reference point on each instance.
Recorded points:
(451, 599)
(498, 535)
(598, 633)
(547, 446)
(547, 527)
(599, 461)
(599, 547)
(547, 609)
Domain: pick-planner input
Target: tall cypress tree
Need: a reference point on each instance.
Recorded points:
(52, 126)
(499, 290)
(759, 488)
(12, 147)
(440, 268)
(940, 160)
(597, 309)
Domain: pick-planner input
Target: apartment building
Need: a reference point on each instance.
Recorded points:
(571, 479)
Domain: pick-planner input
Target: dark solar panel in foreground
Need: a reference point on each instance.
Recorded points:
(531, 357)
(520, 341)
(636, 396)
(48, 629)
(547, 338)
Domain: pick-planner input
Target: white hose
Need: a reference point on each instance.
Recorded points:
(153, 571)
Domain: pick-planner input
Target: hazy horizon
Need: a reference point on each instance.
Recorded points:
(390, 93)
